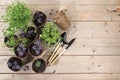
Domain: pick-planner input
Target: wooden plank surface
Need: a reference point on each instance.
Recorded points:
(75, 64)
(60, 76)
(98, 30)
(79, 12)
(4, 68)
(88, 64)
(82, 47)
(95, 55)
(56, 2)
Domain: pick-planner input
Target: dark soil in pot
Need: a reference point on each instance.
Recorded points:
(39, 18)
(14, 63)
(36, 48)
(39, 65)
(21, 50)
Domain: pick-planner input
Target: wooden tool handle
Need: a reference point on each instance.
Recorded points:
(58, 57)
(54, 52)
(57, 53)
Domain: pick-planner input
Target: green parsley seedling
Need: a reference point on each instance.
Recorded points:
(18, 16)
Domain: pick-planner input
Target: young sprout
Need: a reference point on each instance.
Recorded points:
(38, 64)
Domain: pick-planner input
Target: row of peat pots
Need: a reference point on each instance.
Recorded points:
(30, 45)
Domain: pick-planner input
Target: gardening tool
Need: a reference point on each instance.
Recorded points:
(58, 45)
(63, 51)
(55, 54)
(63, 35)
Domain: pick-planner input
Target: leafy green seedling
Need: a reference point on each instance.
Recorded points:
(38, 64)
(12, 41)
(50, 33)
(18, 16)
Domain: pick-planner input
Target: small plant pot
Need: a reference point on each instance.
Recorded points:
(39, 18)
(61, 19)
(6, 39)
(20, 50)
(35, 48)
(15, 64)
(30, 33)
(39, 65)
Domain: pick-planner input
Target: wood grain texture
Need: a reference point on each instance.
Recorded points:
(95, 55)
(77, 12)
(82, 47)
(60, 77)
(98, 30)
(75, 64)
(62, 2)
(4, 68)
(88, 64)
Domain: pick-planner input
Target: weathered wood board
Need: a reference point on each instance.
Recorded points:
(95, 55)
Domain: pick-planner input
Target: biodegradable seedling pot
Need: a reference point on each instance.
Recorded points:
(15, 64)
(39, 18)
(61, 19)
(35, 48)
(30, 34)
(27, 59)
(6, 39)
(21, 50)
(39, 65)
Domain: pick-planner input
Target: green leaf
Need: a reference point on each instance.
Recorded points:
(18, 16)
(50, 33)
(38, 64)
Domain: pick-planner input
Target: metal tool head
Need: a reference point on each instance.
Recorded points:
(64, 36)
(70, 43)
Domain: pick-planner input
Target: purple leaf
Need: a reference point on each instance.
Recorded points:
(9, 64)
(30, 31)
(15, 63)
(13, 67)
(39, 20)
(37, 42)
(22, 35)
(37, 52)
(18, 49)
(23, 49)
(18, 67)
(21, 44)
(34, 47)
(21, 54)
(39, 48)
